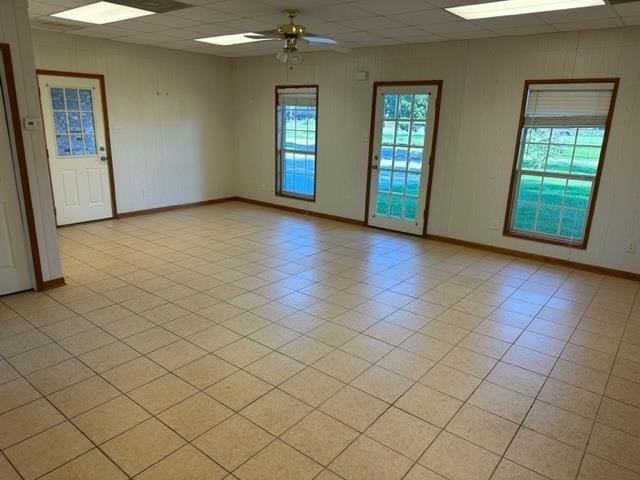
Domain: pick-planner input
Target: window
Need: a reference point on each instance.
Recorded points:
(561, 146)
(73, 121)
(296, 136)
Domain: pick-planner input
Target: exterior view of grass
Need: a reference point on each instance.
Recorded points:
(556, 176)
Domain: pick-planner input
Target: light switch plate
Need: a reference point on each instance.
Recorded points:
(32, 123)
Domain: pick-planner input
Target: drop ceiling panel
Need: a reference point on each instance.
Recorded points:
(355, 23)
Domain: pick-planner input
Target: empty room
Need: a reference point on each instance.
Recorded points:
(320, 239)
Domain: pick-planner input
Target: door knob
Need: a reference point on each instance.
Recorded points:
(374, 167)
(103, 158)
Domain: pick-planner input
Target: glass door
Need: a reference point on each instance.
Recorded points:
(402, 145)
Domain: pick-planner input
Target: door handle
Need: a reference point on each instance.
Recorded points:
(374, 167)
(104, 158)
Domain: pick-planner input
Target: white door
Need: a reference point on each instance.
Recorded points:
(14, 261)
(78, 157)
(402, 146)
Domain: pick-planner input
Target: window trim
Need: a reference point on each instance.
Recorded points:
(582, 244)
(279, 192)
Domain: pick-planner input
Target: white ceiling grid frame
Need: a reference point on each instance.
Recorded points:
(355, 23)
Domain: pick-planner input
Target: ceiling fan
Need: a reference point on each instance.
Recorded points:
(293, 34)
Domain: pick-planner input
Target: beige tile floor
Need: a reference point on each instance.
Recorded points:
(244, 343)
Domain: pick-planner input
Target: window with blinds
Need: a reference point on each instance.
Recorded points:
(296, 137)
(561, 144)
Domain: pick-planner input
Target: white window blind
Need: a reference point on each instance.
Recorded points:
(578, 104)
(297, 97)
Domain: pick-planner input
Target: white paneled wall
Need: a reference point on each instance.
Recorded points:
(16, 31)
(170, 114)
(482, 93)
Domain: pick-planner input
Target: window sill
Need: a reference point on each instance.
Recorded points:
(582, 245)
(296, 197)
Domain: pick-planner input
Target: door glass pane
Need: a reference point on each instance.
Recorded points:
(384, 181)
(413, 184)
(71, 97)
(63, 145)
(60, 122)
(410, 208)
(90, 145)
(87, 122)
(57, 99)
(401, 155)
(382, 206)
(77, 145)
(85, 100)
(402, 133)
(405, 104)
(386, 157)
(417, 134)
(420, 107)
(390, 106)
(74, 122)
(396, 206)
(415, 159)
(73, 114)
(388, 132)
(400, 158)
(398, 182)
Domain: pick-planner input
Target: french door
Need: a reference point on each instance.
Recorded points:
(402, 146)
(76, 142)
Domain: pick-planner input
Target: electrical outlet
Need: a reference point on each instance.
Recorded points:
(631, 247)
(495, 225)
(145, 192)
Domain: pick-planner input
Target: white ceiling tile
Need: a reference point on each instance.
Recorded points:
(578, 14)
(589, 24)
(204, 15)
(248, 25)
(279, 18)
(331, 28)
(426, 17)
(138, 26)
(41, 8)
(632, 20)
(424, 38)
(451, 3)
(301, 4)
(334, 13)
(630, 9)
(525, 30)
(383, 42)
(168, 20)
(400, 32)
(102, 31)
(247, 8)
(452, 27)
(359, 37)
(371, 23)
(70, 3)
(469, 35)
(208, 30)
(509, 22)
(386, 7)
(353, 23)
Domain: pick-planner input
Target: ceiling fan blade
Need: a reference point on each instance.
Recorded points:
(266, 34)
(317, 39)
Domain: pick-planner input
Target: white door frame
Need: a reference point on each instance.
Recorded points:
(429, 154)
(104, 120)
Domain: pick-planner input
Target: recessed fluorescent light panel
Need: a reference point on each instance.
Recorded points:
(102, 12)
(234, 39)
(506, 8)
